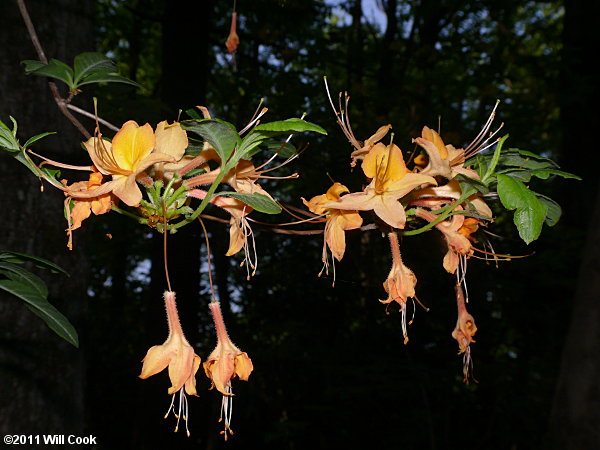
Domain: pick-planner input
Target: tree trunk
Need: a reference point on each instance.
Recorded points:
(576, 411)
(40, 374)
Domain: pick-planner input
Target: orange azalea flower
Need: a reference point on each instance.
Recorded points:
(362, 151)
(83, 208)
(444, 160)
(338, 220)
(128, 156)
(464, 332)
(400, 283)
(177, 354)
(391, 181)
(225, 363)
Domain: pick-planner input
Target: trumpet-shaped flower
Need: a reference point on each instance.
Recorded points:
(390, 182)
(129, 154)
(338, 220)
(463, 333)
(178, 355)
(400, 283)
(225, 363)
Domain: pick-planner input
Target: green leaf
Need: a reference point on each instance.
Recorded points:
(107, 77)
(20, 258)
(36, 138)
(221, 135)
(91, 62)
(32, 290)
(283, 149)
(466, 182)
(193, 113)
(554, 211)
(494, 161)
(289, 126)
(525, 175)
(8, 141)
(530, 212)
(259, 202)
(54, 69)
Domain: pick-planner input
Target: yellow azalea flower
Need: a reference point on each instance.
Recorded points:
(129, 154)
(225, 363)
(171, 140)
(338, 220)
(178, 355)
(391, 181)
(400, 283)
(463, 333)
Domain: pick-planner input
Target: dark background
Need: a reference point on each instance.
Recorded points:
(330, 366)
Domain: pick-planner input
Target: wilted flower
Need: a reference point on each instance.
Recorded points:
(225, 363)
(82, 208)
(178, 355)
(233, 40)
(464, 332)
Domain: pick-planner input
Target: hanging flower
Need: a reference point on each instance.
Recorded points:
(463, 333)
(400, 283)
(225, 363)
(178, 355)
(233, 40)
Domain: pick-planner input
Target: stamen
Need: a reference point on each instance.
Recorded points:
(182, 411)
(226, 411)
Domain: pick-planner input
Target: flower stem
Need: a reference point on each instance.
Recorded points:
(215, 309)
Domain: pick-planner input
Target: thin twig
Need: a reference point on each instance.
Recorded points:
(83, 112)
(60, 101)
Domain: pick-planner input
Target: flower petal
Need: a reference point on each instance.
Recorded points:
(190, 384)
(156, 360)
(132, 144)
(171, 139)
(243, 366)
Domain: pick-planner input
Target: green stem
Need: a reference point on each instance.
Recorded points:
(204, 202)
(443, 216)
(128, 214)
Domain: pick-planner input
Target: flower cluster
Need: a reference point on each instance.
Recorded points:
(224, 363)
(408, 197)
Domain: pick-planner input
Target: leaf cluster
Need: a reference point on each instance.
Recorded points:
(89, 67)
(30, 288)
(507, 171)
